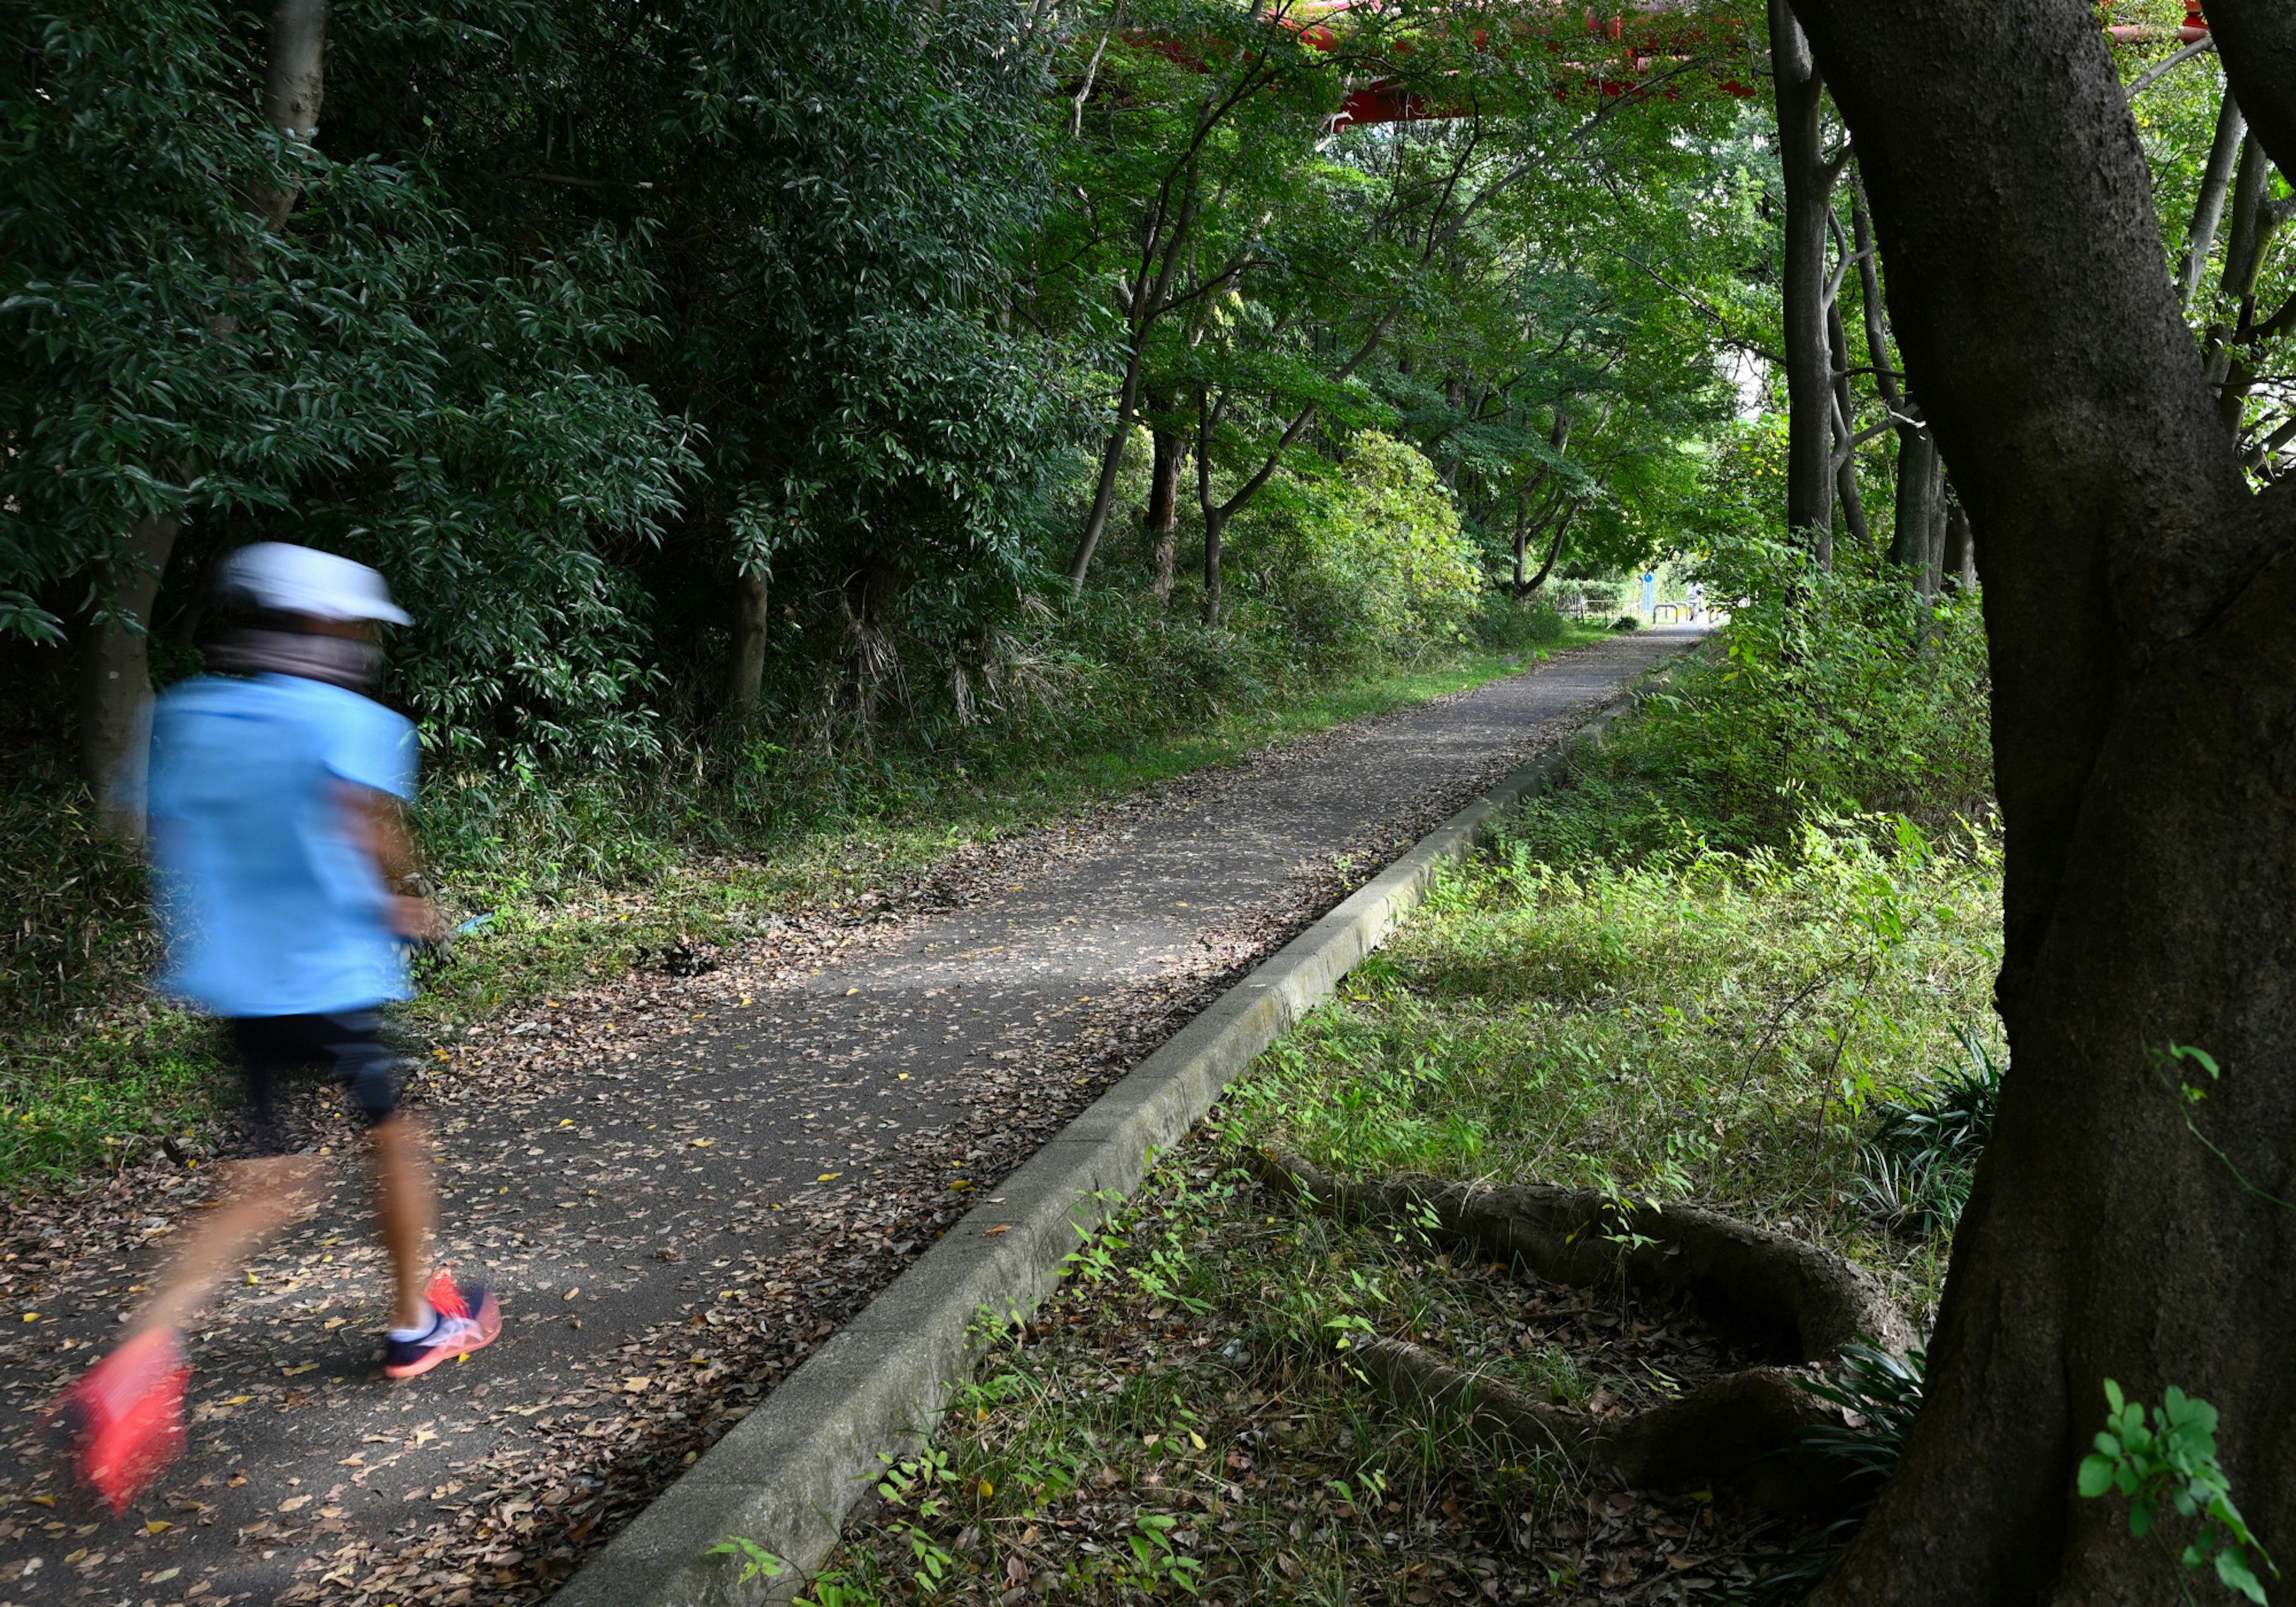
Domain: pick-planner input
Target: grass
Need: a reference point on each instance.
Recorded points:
(1675, 1022)
(93, 1066)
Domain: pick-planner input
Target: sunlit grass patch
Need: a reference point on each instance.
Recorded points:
(1691, 1025)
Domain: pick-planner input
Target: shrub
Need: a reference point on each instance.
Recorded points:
(1367, 564)
(1830, 693)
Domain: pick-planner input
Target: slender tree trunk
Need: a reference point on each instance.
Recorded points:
(753, 594)
(2137, 604)
(1960, 552)
(1811, 477)
(1553, 551)
(115, 680)
(2208, 206)
(1150, 296)
(1163, 516)
(1920, 516)
(1521, 542)
(1112, 459)
(2254, 221)
(294, 82)
(1845, 424)
(1215, 521)
(115, 660)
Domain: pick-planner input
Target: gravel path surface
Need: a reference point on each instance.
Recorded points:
(681, 1185)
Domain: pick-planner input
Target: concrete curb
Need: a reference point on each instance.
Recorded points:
(786, 1476)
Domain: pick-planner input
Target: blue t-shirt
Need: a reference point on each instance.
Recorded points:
(268, 905)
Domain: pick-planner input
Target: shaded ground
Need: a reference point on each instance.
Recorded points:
(1167, 1416)
(681, 1185)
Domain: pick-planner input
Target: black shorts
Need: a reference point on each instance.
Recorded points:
(348, 1043)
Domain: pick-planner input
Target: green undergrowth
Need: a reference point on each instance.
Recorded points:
(1688, 1025)
(574, 880)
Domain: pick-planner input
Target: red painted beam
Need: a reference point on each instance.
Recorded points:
(1640, 35)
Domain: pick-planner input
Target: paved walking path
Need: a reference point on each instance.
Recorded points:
(681, 1186)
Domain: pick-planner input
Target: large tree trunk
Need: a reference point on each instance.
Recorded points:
(2138, 603)
(1809, 379)
(752, 593)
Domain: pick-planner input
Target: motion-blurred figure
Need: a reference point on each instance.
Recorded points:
(275, 807)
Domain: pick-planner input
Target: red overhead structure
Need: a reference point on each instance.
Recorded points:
(1655, 33)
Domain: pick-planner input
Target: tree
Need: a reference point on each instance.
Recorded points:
(186, 374)
(2138, 599)
(1811, 316)
(1203, 119)
(831, 200)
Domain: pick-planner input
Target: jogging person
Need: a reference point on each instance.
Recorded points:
(276, 833)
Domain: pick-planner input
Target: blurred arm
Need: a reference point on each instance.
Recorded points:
(378, 822)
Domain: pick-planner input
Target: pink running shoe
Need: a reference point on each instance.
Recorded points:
(466, 1319)
(126, 1415)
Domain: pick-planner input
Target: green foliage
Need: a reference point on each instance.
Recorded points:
(757, 1563)
(1831, 693)
(1696, 1024)
(1917, 1165)
(2169, 1466)
(375, 377)
(1366, 564)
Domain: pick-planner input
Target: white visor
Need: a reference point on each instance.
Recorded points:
(303, 580)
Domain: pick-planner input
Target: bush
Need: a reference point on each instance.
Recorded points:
(1368, 565)
(1830, 693)
(1501, 624)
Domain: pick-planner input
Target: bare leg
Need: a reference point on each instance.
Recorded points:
(407, 1208)
(263, 1197)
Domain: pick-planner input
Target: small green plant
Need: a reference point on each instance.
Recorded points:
(916, 1484)
(1918, 1164)
(2172, 1463)
(1154, 1563)
(756, 1561)
(2190, 1098)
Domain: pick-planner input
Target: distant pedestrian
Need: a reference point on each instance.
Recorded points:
(278, 838)
(1696, 594)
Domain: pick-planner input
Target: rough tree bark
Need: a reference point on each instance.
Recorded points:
(2138, 598)
(114, 647)
(1809, 178)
